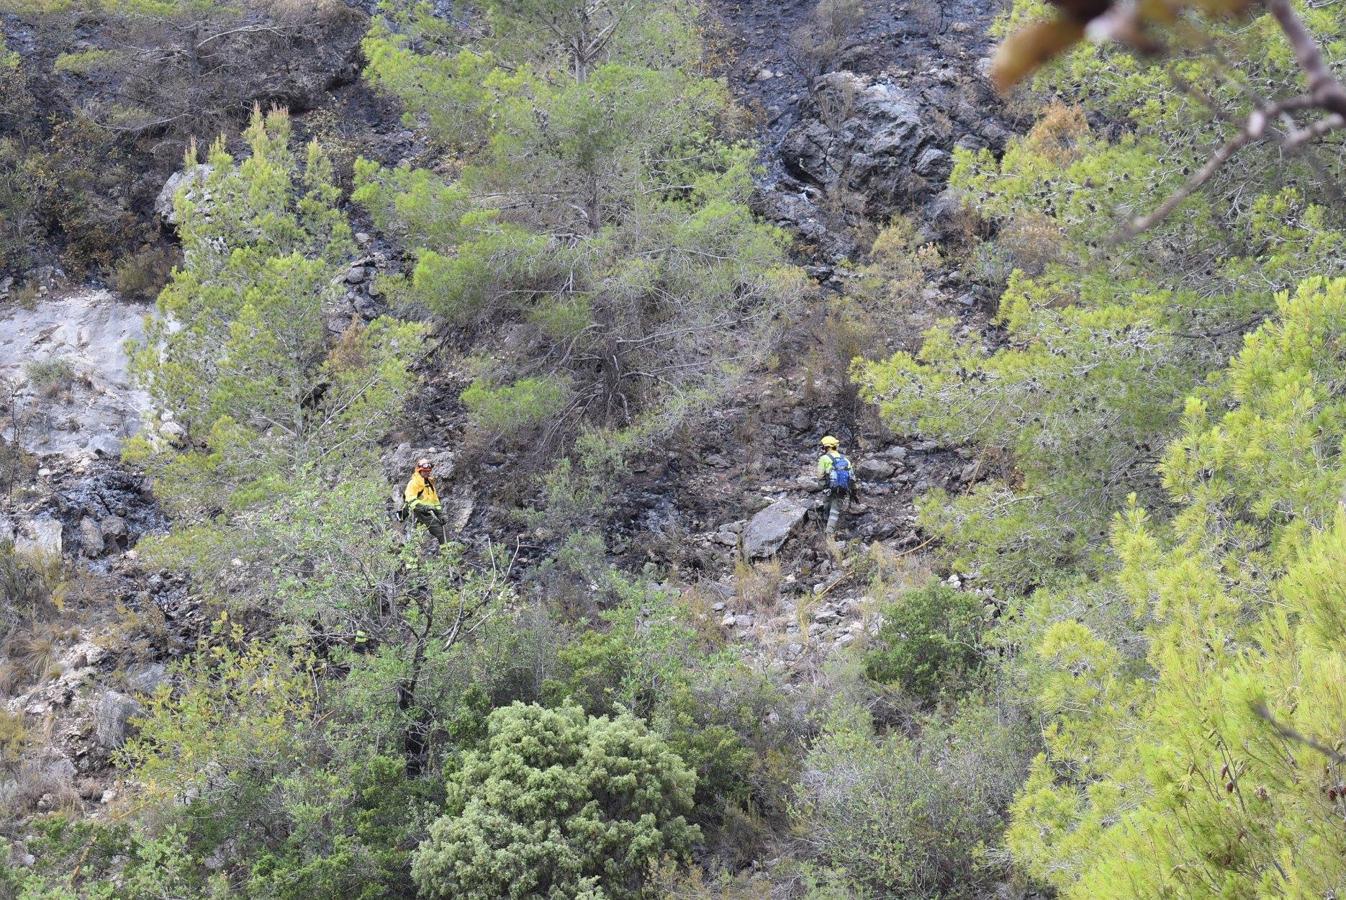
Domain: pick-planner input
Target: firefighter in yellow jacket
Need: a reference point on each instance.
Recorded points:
(422, 501)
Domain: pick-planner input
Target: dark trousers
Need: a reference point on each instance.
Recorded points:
(433, 518)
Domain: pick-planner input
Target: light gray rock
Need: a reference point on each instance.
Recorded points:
(91, 538)
(105, 445)
(89, 330)
(40, 536)
(769, 529)
(809, 483)
(873, 469)
(146, 678)
(463, 508)
(112, 716)
(191, 180)
(934, 163)
(115, 530)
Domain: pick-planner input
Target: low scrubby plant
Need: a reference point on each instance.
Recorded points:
(51, 378)
(930, 643)
(899, 817)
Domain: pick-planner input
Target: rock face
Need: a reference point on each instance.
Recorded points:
(867, 139)
(191, 179)
(112, 716)
(768, 531)
(41, 536)
(66, 358)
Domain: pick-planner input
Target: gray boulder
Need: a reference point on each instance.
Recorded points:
(111, 719)
(769, 529)
(91, 537)
(145, 678)
(867, 139)
(39, 536)
(872, 469)
(192, 179)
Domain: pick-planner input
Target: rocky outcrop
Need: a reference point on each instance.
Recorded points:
(361, 297)
(88, 507)
(192, 180)
(877, 145)
(768, 531)
(67, 370)
(864, 138)
(40, 536)
(112, 717)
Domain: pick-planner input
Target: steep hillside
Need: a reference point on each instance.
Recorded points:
(616, 267)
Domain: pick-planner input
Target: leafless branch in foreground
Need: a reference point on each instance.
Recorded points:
(1325, 94)
(1290, 734)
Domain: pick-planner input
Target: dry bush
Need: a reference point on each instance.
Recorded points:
(757, 585)
(816, 45)
(31, 596)
(696, 884)
(38, 786)
(848, 333)
(1031, 242)
(52, 379)
(29, 656)
(142, 275)
(1059, 134)
(13, 740)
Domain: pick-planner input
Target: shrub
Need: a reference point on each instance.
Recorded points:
(13, 739)
(142, 275)
(904, 818)
(831, 28)
(558, 804)
(930, 642)
(26, 585)
(89, 858)
(51, 377)
(512, 410)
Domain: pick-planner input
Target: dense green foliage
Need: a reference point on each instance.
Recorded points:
(1135, 688)
(1238, 604)
(557, 804)
(1164, 526)
(597, 216)
(891, 816)
(930, 642)
(1105, 339)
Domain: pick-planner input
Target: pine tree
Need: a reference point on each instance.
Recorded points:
(597, 216)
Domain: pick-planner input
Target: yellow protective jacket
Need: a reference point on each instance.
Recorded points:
(420, 490)
(825, 462)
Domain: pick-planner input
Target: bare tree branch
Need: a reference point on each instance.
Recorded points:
(1290, 734)
(1327, 92)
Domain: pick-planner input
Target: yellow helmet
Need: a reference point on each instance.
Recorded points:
(830, 442)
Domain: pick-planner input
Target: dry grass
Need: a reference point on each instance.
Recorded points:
(757, 585)
(29, 656)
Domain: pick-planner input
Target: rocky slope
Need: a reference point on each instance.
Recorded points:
(849, 140)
